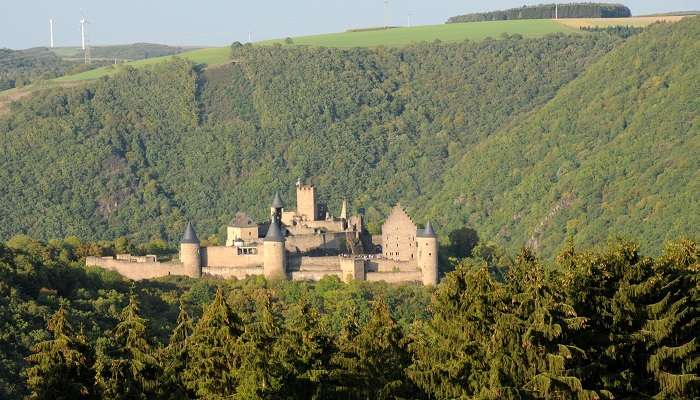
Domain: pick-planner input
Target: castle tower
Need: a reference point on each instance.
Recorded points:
(306, 202)
(274, 257)
(427, 245)
(344, 210)
(189, 253)
(276, 208)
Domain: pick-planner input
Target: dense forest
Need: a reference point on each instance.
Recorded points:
(526, 141)
(133, 51)
(610, 323)
(547, 11)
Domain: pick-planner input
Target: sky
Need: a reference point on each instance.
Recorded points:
(25, 23)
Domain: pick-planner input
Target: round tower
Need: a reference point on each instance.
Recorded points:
(274, 258)
(427, 244)
(190, 253)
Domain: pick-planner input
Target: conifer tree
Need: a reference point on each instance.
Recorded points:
(174, 357)
(449, 351)
(495, 340)
(126, 367)
(542, 358)
(212, 351)
(259, 374)
(641, 336)
(60, 366)
(370, 364)
(671, 332)
(305, 350)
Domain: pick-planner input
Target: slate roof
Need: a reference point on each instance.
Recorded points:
(242, 220)
(190, 235)
(274, 233)
(277, 201)
(427, 231)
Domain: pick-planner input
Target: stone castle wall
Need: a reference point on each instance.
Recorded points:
(394, 277)
(232, 272)
(388, 265)
(137, 270)
(222, 256)
(324, 241)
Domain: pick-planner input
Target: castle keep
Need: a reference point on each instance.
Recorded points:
(303, 244)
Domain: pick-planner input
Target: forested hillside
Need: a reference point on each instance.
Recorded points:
(614, 153)
(546, 11)
(139, 153)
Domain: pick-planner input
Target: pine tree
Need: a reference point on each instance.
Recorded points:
(449, 351)
(542, 322)
(673, 322)
(126, 367)
(259, 374)
(496, 340)
(60, 366)
(370, 364)
(304, 351)
(641, 336)
(212, 351)
(174, 357)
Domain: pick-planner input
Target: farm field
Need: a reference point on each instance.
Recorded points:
(632, 21)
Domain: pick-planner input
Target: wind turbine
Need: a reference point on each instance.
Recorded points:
(83, 38)
(51, 31)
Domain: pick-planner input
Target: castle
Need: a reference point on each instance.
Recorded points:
(303, 244)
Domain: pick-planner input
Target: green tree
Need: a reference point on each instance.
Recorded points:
(305, 350)
(259, 374)
(61, 365)
(174, 357)
(125, 366)
(213, 357)
(370, 364)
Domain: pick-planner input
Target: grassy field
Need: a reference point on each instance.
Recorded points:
(212, 56)
(396, 37)
(429, 33)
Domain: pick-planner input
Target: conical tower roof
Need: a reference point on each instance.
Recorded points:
(274, 233)
(277, 201)
(190, 235)
(427, 231)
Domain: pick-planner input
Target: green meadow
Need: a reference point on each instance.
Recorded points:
(211, 56)
(427, 33)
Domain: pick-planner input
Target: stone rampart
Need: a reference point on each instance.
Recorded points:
(137, 270)
(394, 277)
(232, 272)
(296, 263)
(313, 275)
(323, 241)
(388, 265)
(222, 256)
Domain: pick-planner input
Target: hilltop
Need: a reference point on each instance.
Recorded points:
(373, 37)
